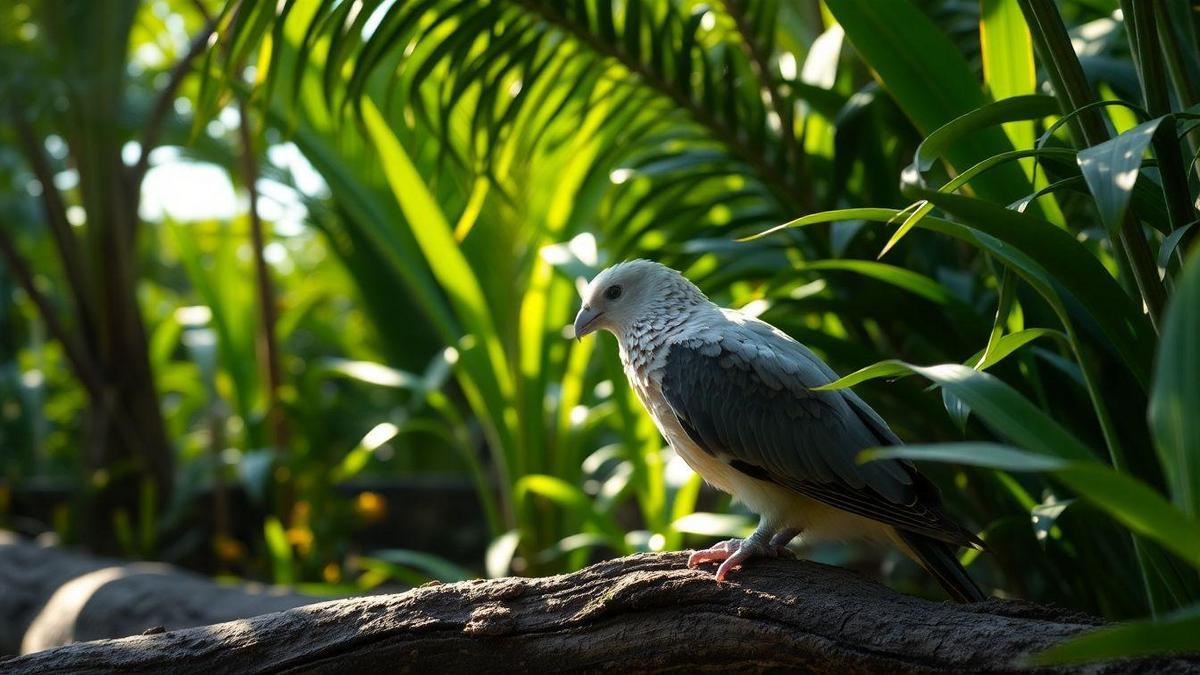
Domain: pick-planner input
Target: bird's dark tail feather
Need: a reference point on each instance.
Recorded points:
(937, 557)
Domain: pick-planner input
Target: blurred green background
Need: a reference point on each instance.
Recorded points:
(287, 285)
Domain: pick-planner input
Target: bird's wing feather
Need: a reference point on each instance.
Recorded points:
(746, 397)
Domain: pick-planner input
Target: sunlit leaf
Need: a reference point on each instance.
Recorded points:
(1111, 169)
(928, 77)
(435, 566)
(280, 551)
(1127, 500)
(714, 524)
(998, 404)
(1172, 634)
(499, 556)
(1175, 399)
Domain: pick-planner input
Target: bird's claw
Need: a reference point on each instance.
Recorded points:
(732, 553)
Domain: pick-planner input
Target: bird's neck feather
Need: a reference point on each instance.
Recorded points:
(644, 340)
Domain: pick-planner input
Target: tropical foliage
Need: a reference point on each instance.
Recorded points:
(983, 211)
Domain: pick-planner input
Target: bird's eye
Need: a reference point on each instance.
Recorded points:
(612, 292)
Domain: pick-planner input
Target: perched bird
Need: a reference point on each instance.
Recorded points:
(734, 396)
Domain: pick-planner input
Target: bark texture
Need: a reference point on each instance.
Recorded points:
(50, 596)
(640, 613)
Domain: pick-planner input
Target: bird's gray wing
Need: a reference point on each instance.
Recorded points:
(747, 399)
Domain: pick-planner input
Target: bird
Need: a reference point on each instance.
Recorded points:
(736, 398)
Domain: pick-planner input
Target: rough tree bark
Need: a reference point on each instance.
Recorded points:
(50, 596)
(641, 613)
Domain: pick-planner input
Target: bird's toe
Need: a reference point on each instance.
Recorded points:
(715, 553)
(747, 550)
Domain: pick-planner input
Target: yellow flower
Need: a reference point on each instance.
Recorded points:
(301, 538)
(332, 573)
(371, 506)
(228, 549)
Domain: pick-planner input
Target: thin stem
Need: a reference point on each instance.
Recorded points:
(1073, 91)
(268, 347)
(1158, 102)
(1088, 128)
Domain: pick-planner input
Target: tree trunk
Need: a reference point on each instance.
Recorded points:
(50, 597)
(641, 613)
(126, 445)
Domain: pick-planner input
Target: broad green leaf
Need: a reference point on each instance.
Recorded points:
(996, 351)
(487, 366)
(1175, 398)
(989, 455)
(498, 560)
(907, 280)
(572, 543)
(1008, 68)
(714, 524)
(567, 496)
(368, 372)
(555, 489)
(1001, 407)
(1010, 343)
(1030, 247)
(280, 551)
(871, 372)
(930, 80)
(1111, 170)
(1176, 633)
(923, 208)
(1126, 499)
(434, 566)
(948, 136)
(958, 411)
(357, 459)
(1065, 264)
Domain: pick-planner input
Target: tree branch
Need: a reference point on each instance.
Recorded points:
(81, 361)
(268, 345)
(56, 219)
(643, 613)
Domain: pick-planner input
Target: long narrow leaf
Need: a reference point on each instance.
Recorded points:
(1176, 633)
(999, 405)
(1175, 399)
(1126, 499)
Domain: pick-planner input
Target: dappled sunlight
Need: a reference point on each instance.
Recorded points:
(55, 623)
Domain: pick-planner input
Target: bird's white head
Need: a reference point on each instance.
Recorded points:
(633, 292)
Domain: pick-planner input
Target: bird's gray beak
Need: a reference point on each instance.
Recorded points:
(585, 321)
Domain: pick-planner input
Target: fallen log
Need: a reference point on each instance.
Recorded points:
(51, 596)
(641, 613)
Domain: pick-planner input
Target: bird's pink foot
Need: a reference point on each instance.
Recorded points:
(732, 553)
